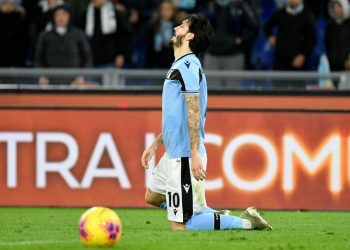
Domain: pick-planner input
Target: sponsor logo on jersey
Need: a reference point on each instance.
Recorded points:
(187, 187)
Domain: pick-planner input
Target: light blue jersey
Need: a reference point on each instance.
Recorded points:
(185, 77)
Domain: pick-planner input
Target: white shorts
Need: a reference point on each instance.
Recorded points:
(185, 195)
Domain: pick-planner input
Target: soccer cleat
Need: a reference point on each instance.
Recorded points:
(255, 218)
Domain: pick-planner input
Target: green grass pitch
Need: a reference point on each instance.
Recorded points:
(56, 228)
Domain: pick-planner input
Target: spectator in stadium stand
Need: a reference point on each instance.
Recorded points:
(12, 42)
(65, 46)
(43, 13)
(38, 18)
(337, 35)
(159, 53)
(109, 33)
(235, 29)
(295, 35)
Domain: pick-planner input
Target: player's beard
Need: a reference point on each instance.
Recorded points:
(176, 41)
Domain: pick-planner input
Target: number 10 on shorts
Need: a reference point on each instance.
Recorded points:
(173, 200)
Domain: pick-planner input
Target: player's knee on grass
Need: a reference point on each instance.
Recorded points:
(153, 198)
(175, 226)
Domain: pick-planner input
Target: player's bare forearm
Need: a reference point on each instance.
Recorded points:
(193, 110)
(158, 141)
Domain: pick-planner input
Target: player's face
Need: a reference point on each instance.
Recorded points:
(180, 33)
(61, 18)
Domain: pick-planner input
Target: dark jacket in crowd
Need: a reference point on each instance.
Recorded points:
(317, 7)
(42, 15)
(12, 42)
(235, 20)
(337, 39)
(105, 47)
(78, 7)
(70, 50)
(296, 34)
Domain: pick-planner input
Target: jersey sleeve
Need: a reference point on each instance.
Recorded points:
(190, 73)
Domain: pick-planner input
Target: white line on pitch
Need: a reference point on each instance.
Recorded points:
(35, 242)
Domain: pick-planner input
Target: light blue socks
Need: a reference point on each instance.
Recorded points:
(210, 220)
(214, 221)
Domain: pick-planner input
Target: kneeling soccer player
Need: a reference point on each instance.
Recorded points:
(180, 174)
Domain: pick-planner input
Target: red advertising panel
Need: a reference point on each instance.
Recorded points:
(85, 157)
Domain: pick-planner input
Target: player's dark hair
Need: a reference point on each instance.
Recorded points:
(203, 33)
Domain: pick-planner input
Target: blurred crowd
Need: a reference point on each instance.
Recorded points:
(249, 34)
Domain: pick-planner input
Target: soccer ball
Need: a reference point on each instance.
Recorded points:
(100, 226)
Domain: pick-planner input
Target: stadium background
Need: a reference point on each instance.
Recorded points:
(277, 146)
